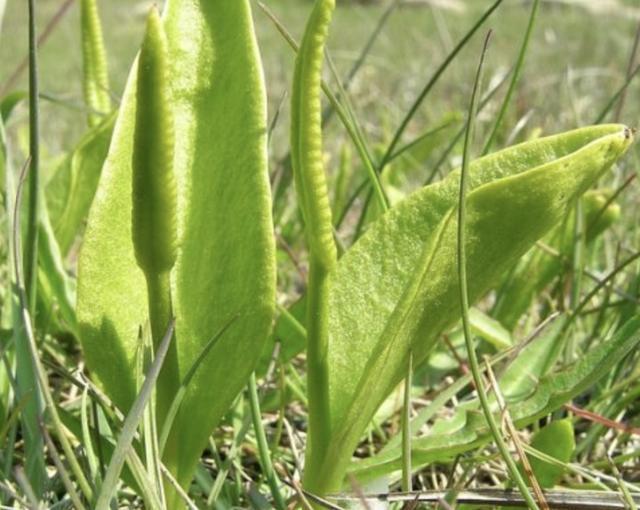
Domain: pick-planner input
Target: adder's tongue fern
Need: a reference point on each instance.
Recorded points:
(154, 222)
(311, 188)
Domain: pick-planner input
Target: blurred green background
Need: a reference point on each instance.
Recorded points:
(577, 59)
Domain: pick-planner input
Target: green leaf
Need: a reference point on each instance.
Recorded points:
(70, 191)
(26, 386)
(467, 429)
(225, 266)
(557, 441)
(396, 289)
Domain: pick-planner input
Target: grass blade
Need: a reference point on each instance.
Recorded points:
(431, 83)
(263, 447)
(131, 423)
(177, 400)
(514, 78)
(40, 374)
(617, 95)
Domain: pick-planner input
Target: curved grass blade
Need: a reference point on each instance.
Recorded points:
(431, 83)
(472, 356)
(517, 70)
(37, 377)
(27, 389)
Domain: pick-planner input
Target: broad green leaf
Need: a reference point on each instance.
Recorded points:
(225, 266)
(468, 430)
(556, 440)
(70, 191)
(396, 289)
(538, 268)
(68, 197)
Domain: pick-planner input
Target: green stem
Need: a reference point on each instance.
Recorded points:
(160, 315)
(168, 382)
(406, 430)
(31, 248)
(26, 378)
(464, 298)
(263, 447)
(317, 374)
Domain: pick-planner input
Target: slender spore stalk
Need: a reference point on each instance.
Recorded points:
(464, 296)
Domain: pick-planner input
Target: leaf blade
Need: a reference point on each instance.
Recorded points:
(225, 264)
(531, 182)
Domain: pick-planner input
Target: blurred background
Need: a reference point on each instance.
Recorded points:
(578, 57)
